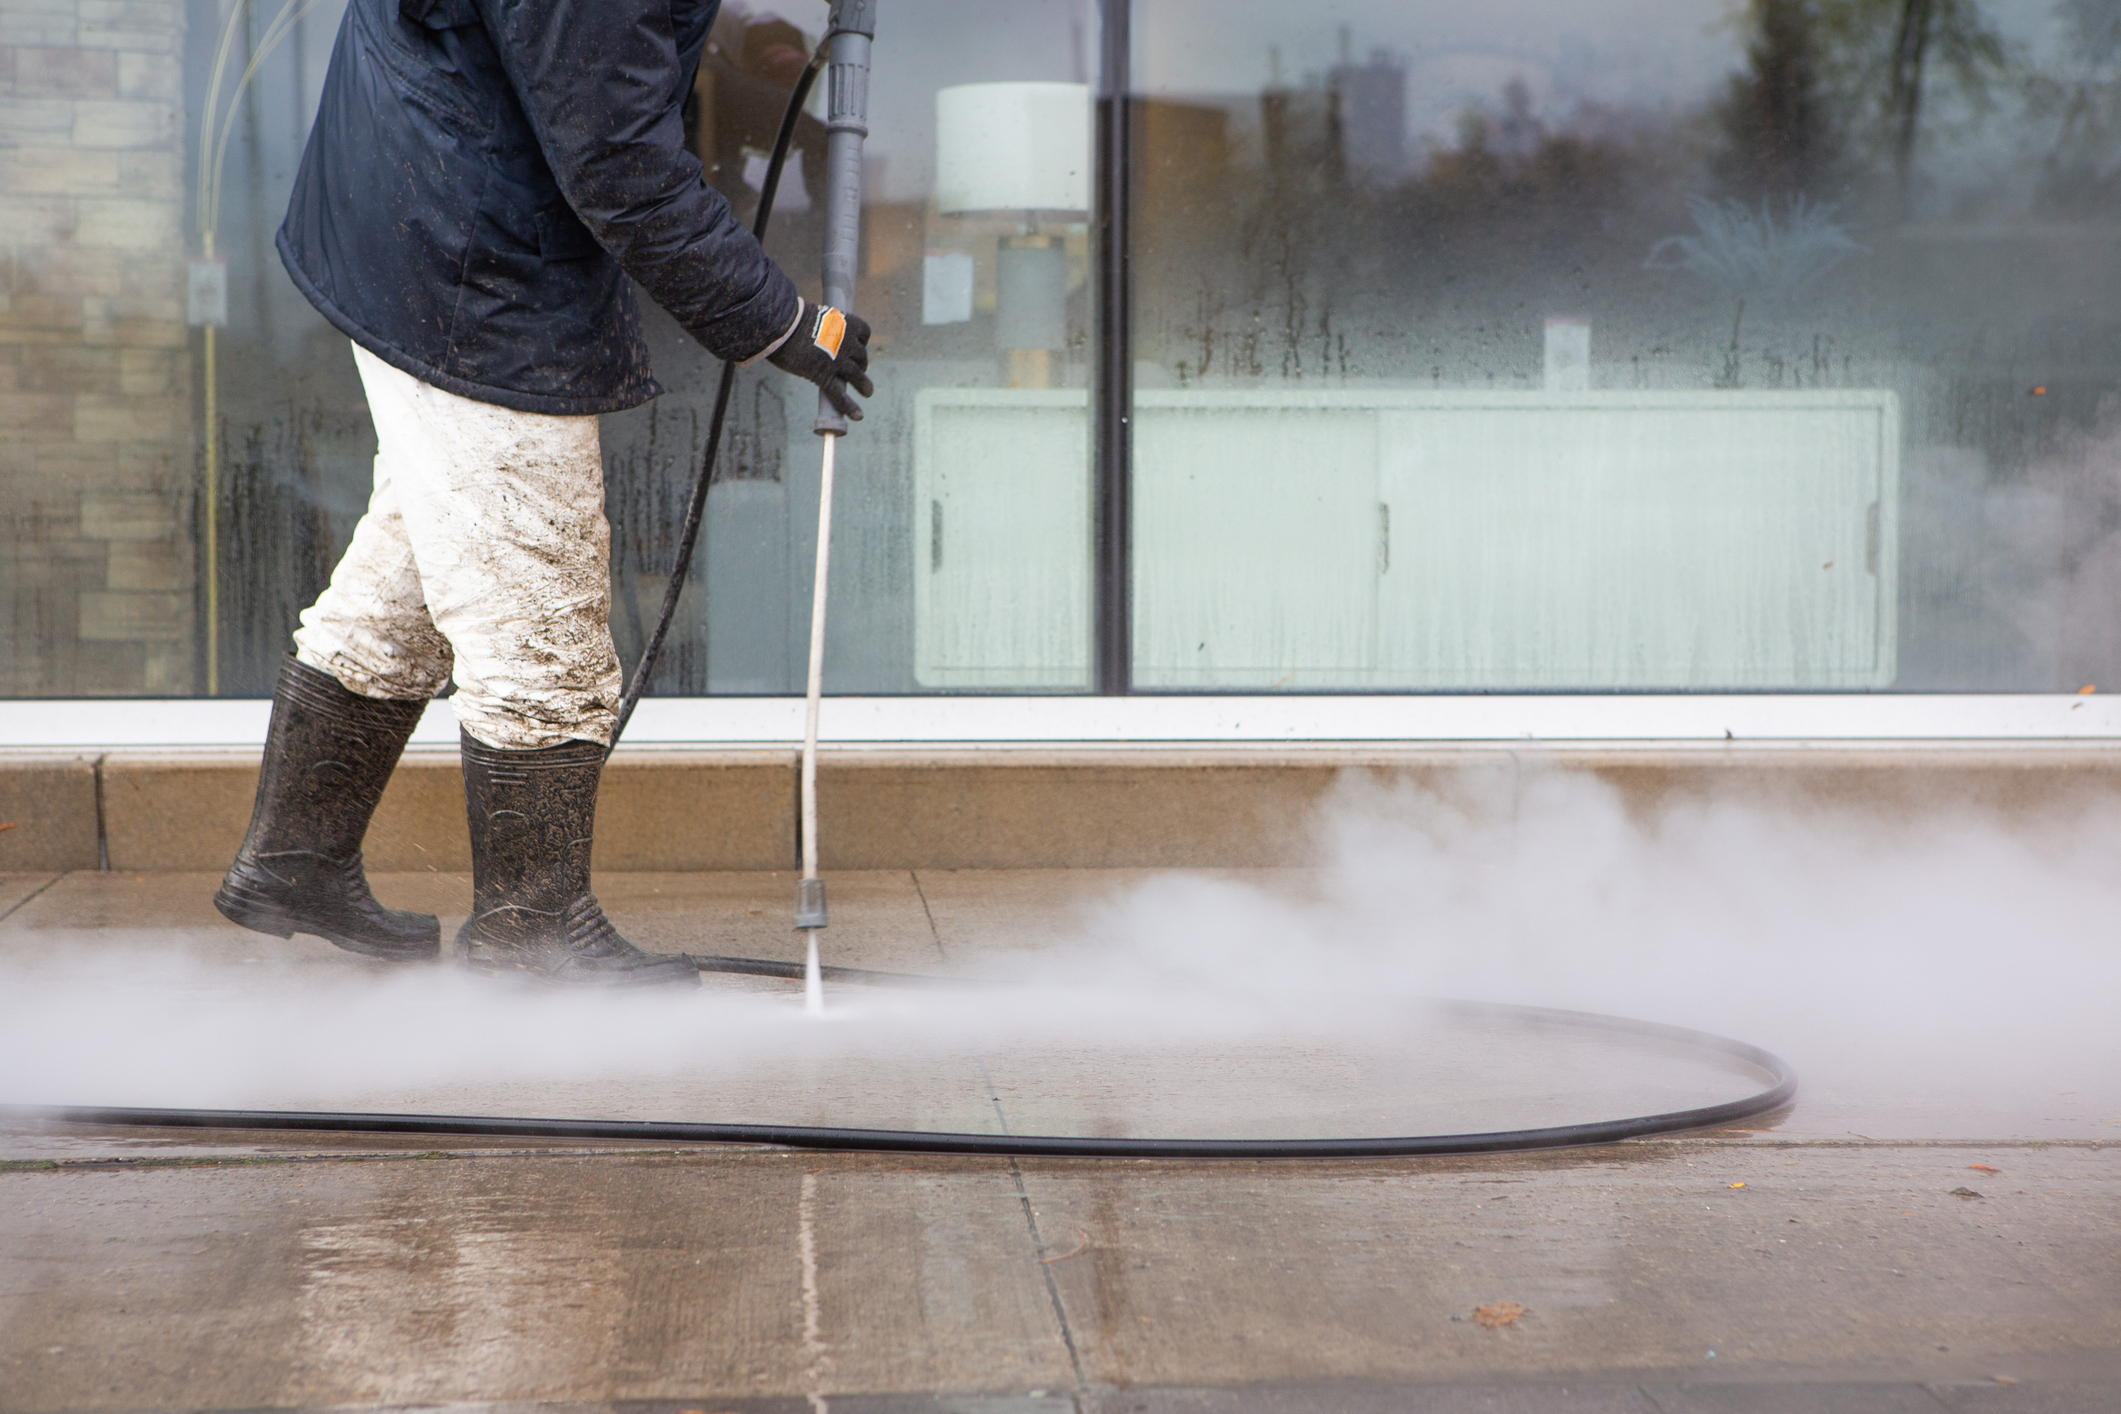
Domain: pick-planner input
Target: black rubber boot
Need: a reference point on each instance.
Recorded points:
(532, 813)
(328, 755)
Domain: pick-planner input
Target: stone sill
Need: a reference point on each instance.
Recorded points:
(995, 806)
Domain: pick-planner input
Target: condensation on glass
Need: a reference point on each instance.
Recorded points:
(1601, 346)
(1520, 347)
(184, 440)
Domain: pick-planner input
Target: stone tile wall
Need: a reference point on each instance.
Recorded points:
(97, 462)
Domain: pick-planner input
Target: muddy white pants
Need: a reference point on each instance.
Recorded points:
(484, 552)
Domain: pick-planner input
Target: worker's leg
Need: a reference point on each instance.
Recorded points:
(328, 754)
(368, 658)
(532, 815)
(504, 516)
(507, 546)
(370, 629)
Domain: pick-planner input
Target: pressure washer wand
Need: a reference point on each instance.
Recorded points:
(810, 893)
(851, 28)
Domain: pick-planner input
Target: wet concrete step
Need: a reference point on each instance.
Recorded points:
(998, 808)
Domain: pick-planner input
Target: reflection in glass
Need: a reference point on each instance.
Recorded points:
(1528, 346)
(186, 446)
(933, 286)
(1593, 347)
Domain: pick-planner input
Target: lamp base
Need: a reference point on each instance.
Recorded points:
(1029, 368)
(1031, 306)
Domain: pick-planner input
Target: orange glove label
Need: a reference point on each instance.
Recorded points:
(831, 330)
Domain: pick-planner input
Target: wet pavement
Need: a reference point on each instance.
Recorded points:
(120, 993)
(1956, 1253)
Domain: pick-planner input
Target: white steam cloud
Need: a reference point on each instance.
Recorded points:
(1930, 975)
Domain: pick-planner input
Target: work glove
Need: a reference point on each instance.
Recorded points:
(831, 349)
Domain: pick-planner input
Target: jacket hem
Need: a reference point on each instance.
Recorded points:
(397, 358)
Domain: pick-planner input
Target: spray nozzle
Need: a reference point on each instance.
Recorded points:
(810, 904)
(852, 17)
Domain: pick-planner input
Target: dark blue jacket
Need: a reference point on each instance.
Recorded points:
(484, 174)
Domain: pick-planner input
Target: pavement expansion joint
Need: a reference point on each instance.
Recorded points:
(208, 1161)
(21, 903)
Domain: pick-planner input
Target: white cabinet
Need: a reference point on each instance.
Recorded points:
(1257, 543)
(1001, 539)
(1640, 540)
(1420, 540)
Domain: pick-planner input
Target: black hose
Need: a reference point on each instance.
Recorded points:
(1781, 1090)
(696, 508)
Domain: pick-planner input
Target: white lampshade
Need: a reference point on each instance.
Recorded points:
(1013, 147)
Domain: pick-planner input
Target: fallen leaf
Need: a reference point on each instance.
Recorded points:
(1964, 1193)
(2040, 392)
(1983, 1168)
(1077, 1251)
(1498, 1313)
(8, 826)
(1737, 1185)
(2003, 1379)
(2088, 689)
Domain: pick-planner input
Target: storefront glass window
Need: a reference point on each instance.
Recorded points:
(186, 446)
(1613, 346)
(1620, 346)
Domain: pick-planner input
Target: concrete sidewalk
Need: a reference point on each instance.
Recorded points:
(219, 1271)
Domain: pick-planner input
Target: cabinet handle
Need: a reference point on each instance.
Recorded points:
(935, 536)
(1870, 538)
(1384, 538)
